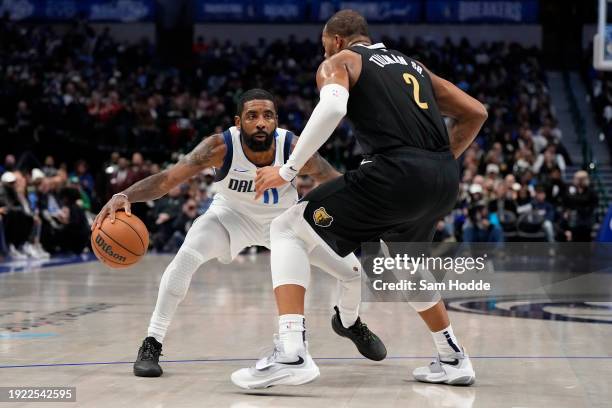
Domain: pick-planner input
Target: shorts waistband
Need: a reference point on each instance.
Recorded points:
(406, 151)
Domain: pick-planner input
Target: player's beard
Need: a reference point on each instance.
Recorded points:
(256, 145)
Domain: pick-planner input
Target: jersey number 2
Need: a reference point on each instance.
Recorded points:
(411, 80)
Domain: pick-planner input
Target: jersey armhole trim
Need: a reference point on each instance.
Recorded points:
(362, 65)
(287, 146)
(229, 155)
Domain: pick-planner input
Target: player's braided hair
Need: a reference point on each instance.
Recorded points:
(347, 24)
(253, 94)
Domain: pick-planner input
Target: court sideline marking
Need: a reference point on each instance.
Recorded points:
(318, 359)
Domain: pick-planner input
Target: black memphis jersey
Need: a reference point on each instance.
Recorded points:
(392, 104)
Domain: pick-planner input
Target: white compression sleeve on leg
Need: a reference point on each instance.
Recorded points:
(289, 254)
(211, 240)
(324, 119)
(348, 272)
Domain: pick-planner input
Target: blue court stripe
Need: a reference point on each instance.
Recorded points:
(18, 266)
(266, 197)
(221, 360)
(275, 195)
(26, 335)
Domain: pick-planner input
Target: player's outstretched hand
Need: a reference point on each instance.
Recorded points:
(117, 202)
(267, 177)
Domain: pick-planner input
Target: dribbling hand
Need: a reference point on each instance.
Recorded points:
(116, 203)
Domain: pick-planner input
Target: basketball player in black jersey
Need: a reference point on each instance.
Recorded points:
(408, 179)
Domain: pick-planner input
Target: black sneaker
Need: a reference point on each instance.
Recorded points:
(147, 362)
(368, 344)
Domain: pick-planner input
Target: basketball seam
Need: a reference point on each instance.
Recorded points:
(103, 259)
(111, 238)
(137, 234)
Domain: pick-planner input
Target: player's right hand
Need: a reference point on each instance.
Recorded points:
(116, 203)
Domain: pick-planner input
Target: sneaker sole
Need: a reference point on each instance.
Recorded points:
(287, 379)
(147, 374)
(463, 380)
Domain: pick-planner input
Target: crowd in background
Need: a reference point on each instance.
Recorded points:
(600, 93)
(83, 116)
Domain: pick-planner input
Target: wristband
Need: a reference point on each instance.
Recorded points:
(288, 173)
(121, 194)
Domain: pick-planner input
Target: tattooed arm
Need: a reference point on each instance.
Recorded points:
(319, 169)
(209, 153)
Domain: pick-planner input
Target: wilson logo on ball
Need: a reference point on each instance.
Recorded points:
(108, 249)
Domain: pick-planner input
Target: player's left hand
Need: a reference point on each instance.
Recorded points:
(267, 177)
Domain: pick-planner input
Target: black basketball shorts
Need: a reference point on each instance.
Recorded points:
(397, 196)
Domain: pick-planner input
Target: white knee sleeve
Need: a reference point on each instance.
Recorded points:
(178, 274)
(423, 300)
(289, 254)
(423, 306)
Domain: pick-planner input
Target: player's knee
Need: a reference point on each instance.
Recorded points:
(177, 276)
(351, 274)
(426, 302)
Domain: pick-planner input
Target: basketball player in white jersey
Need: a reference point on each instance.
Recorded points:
(236, 220)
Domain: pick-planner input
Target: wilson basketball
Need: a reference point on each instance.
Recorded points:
(122, 243)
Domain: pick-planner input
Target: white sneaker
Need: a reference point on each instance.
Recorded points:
(15, 254)
(30, 251)
(42, 254)
(457, 370)
(278, 369)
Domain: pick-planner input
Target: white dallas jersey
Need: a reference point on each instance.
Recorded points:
(235, 180)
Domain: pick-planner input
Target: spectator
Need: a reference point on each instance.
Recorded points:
(17, 220)
(85, 179)
(74, 234)
(549, 160)
(123, 177)
(182, 224)
(555, 188)
(165, 212)
(546, 211)
(49, 168)
(479, 228)
(443, 232)
(581, 201)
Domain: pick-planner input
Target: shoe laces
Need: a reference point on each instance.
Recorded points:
(270, 353)
(361, 330)
(149, 351)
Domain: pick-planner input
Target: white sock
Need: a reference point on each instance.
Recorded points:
(348, 317)
(446, 342)
(291, 332)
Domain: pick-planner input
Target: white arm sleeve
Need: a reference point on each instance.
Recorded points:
(324, 119)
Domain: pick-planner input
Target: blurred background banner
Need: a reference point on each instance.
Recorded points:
(126, 11)
(233, 10)
(373, 11)
(394, 11)
(479, 11)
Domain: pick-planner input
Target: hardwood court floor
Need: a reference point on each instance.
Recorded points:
(81, 325)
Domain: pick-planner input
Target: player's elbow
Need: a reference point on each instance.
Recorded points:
(336, 110)
(341, 112)
(480, 113)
